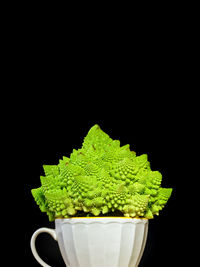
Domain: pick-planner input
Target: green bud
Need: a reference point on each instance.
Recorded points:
(64, 212)
(105, 209)
(95, 211)
(71, 211)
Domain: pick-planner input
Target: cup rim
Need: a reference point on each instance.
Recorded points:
(103, 217)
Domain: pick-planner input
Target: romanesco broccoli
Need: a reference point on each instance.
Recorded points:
(101, 178)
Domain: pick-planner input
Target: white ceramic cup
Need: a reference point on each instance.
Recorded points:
(97, 241)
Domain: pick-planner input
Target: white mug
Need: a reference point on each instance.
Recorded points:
(97, 241)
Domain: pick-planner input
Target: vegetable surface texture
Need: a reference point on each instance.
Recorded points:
(101, 178)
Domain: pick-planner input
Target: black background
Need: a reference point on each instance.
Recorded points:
(150, 122)
(141, 92)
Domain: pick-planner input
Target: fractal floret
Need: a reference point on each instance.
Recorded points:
(102, 178)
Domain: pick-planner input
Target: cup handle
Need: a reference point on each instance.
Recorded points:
(33, 238)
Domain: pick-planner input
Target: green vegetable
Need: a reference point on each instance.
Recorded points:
(101, 178)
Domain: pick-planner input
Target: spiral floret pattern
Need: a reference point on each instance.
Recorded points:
(101, 178)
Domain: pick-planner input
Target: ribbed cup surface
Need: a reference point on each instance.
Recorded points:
(101, 242)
